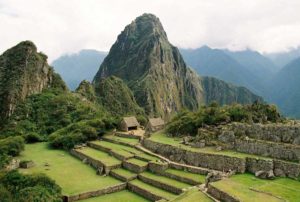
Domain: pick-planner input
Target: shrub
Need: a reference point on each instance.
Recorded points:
(12, 145)
(33, 137)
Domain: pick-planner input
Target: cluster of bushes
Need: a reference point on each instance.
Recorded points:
(11, 146)
(80, 132)
(16, 187)
(187, 123)
(47, 112)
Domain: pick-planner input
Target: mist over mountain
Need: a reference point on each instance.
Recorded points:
(284, 89)
(77, 67)
(283, 58)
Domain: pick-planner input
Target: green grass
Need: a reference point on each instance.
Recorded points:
(192, 195)
(181, 173)
(121, 196)
(165, 180)
(154, 190)
(164, 139)
(137, 162)
(104, 157)
(131, 141)
(123, 172)
(241, 185)
(70, 173)
(147, 157)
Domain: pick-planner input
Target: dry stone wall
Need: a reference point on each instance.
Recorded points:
(143, 192)
(220, 195)
(99, 192)
(285, 133)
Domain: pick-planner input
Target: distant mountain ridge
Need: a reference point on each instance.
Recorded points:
(80, 66)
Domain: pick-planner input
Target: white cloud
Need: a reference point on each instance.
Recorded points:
(59, 27)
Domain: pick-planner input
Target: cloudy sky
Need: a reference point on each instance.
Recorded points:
(66, 26)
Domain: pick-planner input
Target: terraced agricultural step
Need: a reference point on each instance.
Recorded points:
(135, 165)
(121, 140)
(184, 176)
(119, 151)
(123, 174)
(163, 182)
(148, 191)
(97, 159)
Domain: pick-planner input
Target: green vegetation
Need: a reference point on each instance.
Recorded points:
(124, 173)
(10, 146)
(104, 157)
(80, 132)
(117, 98)
(154, 190)
(69, 173)
(131, 141)
(181, 173)
(15, 187)
(125, 151)
(165, 180)
(49, 111)
(121, 196)
(137, 162)
(192, 195)
(187, 123)
(248, 188)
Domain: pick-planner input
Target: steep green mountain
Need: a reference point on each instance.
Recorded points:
(154, 70)
(23, 72)
(219, 64)
(77, 67)
(284, 89)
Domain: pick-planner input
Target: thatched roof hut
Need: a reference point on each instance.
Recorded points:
(155, 124)
(129, 123)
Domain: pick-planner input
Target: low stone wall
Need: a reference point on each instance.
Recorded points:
(90, 194)
(143, 192)
(157, 167)
(211, 161)
(253, 165)
(191, 169)
(120, 177)
(287, 169)
(93, 162)
(282, 151)
(119, 156)
(180, 178)
(161, 185)
(128, 136)
(220, 195)
(286, 133)
(133, 167)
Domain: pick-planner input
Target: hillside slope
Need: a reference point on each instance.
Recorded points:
(23, 72)
(154, 70)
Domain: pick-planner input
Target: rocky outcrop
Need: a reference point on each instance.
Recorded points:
(156, 73)
(23, 72)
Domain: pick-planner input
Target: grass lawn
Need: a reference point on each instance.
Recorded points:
(164, 139)
(241, 185)
(181, 173)
(192, 195)
(165, 180)
(154, 190)
(137, 162)
(131, 141)
(123, 172)
(120, 149)
(70, 173)
(121, 196)
(104, 157)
